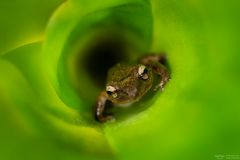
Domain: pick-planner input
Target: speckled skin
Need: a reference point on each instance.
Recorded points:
(127, 86)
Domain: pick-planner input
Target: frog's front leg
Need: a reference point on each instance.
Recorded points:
(157, 62)
(163, 72)
(100, 108)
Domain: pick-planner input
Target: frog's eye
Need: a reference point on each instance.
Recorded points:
(142, 72)
(111, 91)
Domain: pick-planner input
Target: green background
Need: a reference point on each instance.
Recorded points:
(42, 116)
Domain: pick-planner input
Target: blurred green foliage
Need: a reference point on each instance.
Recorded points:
(42, 117)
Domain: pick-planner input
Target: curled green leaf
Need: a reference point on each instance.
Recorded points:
(47, 86)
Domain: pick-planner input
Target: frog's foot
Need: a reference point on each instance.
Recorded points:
(159, 86)
(162, 84)
(156, 87)
(103, 119)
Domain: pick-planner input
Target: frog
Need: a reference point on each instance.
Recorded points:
(128, 83)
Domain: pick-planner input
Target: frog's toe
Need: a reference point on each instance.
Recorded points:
(111, 119)
(106, 118)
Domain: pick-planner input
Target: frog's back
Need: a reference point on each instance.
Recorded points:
(119, 72)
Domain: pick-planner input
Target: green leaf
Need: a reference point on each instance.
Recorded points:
(46, 102)
(24, 21)
(30, 107)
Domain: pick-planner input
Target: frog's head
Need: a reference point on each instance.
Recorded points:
(127, 84)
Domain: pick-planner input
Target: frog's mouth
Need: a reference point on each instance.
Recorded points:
(126, 103)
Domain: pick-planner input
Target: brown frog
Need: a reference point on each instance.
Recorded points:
(127, 84)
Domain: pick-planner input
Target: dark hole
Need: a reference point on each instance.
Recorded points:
(103, 54)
